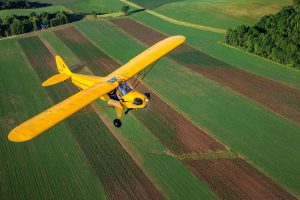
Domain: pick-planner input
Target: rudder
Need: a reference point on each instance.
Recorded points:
(61, 66)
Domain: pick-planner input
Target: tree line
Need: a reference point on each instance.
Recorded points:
(275, 36)
(13, 25)
(11, 4)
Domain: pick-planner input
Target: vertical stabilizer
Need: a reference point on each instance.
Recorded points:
(61, 66)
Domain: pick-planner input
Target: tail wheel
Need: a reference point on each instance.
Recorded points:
(117, 123)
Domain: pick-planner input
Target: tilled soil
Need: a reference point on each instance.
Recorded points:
(179, 134)
(118, 174)
(279, 98)
(236, 179)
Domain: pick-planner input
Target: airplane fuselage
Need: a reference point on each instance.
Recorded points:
(124, 96)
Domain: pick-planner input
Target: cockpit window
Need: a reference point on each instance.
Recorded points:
(124, 88)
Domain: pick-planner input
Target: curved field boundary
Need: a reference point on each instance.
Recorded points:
(277, 97)
(178, 22)
(173, 130)
(118, 174)
(234, 178)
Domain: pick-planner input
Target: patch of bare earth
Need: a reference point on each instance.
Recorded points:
(279, 98)
(236, 179)
(174, 130)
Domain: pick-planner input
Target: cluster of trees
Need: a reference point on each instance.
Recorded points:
(276, 37)
(10, 4)
(13, 25)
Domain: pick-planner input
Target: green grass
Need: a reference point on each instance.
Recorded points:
(167, 171)
(153, 3)
(26, 12)
(50, 166)
(221, 13)
(170, 174)
(60, 1)
(78, 6)
(208, 43)
(115, 170)
(159, 122)
(59, 48)
(266, 139)
(87, 6)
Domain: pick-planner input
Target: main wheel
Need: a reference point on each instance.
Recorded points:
(117, 123)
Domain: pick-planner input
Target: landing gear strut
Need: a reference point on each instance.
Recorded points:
(117, 123)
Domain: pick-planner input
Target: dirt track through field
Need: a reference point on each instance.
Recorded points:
(275, 96)
(118, 174)
(173, 130)
(236, 179)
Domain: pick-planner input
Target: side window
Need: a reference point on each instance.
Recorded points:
(124, 89)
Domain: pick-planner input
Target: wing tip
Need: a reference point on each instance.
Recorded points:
(20, 135)
(180, 38)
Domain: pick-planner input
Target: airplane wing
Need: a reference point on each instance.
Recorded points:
(45, 120)
(147, 57)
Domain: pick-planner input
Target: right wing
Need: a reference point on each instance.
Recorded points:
(50, 117)
(147, 57)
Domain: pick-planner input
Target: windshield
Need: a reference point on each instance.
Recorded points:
(124, 88)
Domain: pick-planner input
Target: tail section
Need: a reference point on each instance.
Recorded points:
(62, 67)
(64, 73)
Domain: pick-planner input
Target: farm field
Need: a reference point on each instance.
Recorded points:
(277, 97)
(222, 13)
(177, 137)
(77, 6)
(170, 179)
(95, 5)
(49, 8)
(153, 3)
(243, 121)
(85, 45)
(47, 162)
(221, 124)
(211, 43)
(109, 161)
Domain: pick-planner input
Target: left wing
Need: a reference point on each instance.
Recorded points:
(147, 57)
(45, 120)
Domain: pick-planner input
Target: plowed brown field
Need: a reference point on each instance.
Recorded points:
(236, 179)
(174, 130)
(275, 96)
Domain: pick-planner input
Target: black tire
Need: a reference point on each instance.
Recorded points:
(117, 123)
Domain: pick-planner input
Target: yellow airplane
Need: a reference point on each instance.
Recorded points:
(112, 88)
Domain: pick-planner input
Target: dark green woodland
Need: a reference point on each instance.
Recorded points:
(275, 36)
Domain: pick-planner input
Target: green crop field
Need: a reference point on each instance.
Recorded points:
(95, 5)
(45, 163)
(221, 13)
(108, 159)
(158, 153)
(158, 164)
(153, 3)
(211, 43)
(245, 126)
(77, 6)
(50, 9)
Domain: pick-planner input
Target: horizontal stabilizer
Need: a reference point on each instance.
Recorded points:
(55, 79)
